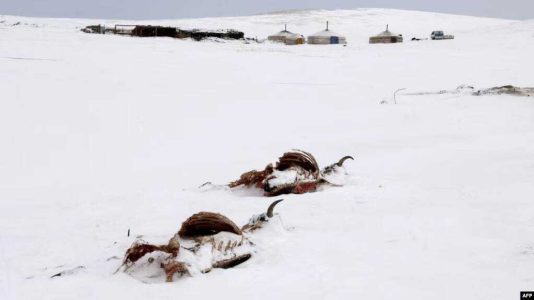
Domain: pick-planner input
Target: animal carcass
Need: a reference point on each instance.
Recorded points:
(296, 172)
(205, 241)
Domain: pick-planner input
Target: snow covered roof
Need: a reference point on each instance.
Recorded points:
(326, 33)
(386, 33)
(285, 33)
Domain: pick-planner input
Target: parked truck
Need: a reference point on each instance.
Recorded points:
(439, 35)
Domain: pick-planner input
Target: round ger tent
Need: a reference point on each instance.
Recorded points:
(386, 37)
(326, 37)
(287, 38)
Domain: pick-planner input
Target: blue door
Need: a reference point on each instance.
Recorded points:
(334, 40)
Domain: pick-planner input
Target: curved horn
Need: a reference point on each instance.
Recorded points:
(270, 210)
(342, 160)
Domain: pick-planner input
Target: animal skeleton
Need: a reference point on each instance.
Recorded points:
(296, 172)
(205, 241)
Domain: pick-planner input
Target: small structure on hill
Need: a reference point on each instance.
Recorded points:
(148, 31)
(386, 37)
(196, 34)
(326, 37)
(123, 29)
(287, 37)
(102, 29)
(174, 32)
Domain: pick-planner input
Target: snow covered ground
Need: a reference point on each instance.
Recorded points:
(102, 133)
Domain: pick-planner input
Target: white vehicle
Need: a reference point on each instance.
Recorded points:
(439, 35)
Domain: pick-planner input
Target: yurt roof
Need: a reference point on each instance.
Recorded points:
(283, 33)
(295, 35)
(326, 33)
(386, 33)
(286, 33)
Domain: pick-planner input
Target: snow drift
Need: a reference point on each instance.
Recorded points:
(105, 135)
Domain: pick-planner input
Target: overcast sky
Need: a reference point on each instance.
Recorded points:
(154, 9)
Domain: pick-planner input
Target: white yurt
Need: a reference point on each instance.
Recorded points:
(326, 37)
(287, 37)
(386, 37)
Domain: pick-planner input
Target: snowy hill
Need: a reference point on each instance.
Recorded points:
(102, 133)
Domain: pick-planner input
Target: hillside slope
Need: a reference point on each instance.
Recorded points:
(101, 134)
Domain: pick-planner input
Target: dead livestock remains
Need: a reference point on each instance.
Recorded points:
(205, 241)
(296, 172)
(471, 90)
